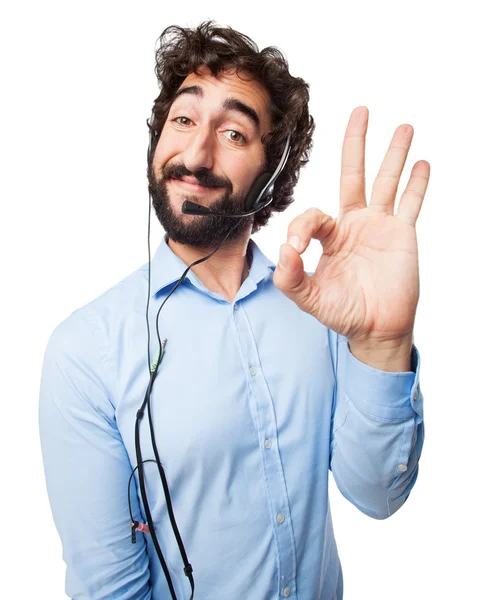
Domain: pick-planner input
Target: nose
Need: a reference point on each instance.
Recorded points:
(199, 150)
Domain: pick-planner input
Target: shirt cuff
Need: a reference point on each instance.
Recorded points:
(383, 394)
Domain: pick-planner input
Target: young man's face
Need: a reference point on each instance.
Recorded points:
(210, 152)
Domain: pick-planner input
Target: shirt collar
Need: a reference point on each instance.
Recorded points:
(167, 268)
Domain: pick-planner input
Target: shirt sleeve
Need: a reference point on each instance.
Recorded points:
(87, 467)
(377, 431)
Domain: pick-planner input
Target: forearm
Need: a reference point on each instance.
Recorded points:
(377, 432)
(375, 463)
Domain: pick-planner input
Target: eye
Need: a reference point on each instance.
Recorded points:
(237, 138)
(181, 120)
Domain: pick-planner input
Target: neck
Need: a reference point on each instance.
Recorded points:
(224, 272)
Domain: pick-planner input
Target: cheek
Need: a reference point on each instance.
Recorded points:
(242, 177)
(166, 149)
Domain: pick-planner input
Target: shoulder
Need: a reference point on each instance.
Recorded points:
(89, 333)
(126, 296)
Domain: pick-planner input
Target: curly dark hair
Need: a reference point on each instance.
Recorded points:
(183, 51)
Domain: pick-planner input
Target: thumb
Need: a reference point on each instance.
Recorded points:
(290, 278)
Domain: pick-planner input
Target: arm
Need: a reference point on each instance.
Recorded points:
(87, 468)
(377, 431)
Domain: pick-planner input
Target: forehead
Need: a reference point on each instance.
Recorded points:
(229, 84)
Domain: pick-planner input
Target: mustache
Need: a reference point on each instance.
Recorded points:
(203, 176)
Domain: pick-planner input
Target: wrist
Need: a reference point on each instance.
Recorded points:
(384, 355)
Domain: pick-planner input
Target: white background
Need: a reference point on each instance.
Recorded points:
(78, 84)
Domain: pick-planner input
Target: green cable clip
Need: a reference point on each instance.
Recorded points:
(157, 359)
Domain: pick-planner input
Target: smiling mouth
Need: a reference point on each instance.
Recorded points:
(194, 187)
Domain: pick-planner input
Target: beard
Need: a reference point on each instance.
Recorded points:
(202, 231)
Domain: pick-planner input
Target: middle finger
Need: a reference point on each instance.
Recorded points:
(386, 183)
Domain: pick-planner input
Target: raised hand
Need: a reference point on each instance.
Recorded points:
(366, 284)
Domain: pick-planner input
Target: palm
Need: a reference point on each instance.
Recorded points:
(367, 280)
(366, 284)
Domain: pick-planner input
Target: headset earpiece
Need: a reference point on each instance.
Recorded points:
(263, 187)
(255, 197)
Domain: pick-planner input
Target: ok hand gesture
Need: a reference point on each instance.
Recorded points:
(366, 284)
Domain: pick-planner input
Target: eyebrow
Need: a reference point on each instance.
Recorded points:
(228, 104)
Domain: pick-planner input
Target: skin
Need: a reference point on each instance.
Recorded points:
(209, 140)
(366, 284)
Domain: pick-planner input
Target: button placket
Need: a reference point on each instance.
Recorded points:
(262, 408)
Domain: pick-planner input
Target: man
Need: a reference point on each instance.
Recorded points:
(270, 376)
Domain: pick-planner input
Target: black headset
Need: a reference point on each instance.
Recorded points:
(259, 196)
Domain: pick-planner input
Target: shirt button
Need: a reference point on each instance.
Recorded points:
(286, 592)
(416, 394)
(280, 518)
(252, 370)
(235, 307)
(402, 468)
(267, 444)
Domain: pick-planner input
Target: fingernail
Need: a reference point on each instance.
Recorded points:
(295, 242)
(282, 257)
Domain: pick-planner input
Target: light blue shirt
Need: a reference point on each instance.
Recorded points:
(254, 402)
